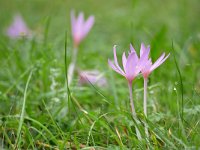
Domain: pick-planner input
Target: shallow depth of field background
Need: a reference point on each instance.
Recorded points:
(60, 123)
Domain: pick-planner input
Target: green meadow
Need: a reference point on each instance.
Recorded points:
(39, 110)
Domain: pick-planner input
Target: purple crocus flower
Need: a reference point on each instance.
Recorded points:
(146, 70)
(148, 67)
(18, 28)
(80, 28)
(131, 64)
(131, 68)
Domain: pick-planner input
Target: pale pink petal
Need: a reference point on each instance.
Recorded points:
(79, 27)
(124, 60)
(146, 70)
(80, 19)
(159, 61)
(92, 77)
(131, 66)
(144, 57)
(144, 49)
(115, 68)
(156, 63)
(88, 25)
(115, 59)
(165, 58)
(133, 50)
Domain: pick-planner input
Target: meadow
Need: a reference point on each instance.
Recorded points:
(40, 110)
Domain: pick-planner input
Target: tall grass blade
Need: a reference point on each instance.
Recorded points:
(17, 144)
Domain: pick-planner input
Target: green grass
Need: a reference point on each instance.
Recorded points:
(39, 111)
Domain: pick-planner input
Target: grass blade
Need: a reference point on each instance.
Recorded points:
(17, 144)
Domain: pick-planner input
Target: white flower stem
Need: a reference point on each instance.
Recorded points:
(145, 105)
(145, 96)
(72, 65)
(133, 109)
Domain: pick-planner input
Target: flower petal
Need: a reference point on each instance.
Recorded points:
(124, 60)
(159, 61)
(115, 68)
(92, 77)
(131, 66)
(146, 70)
(165, 58)
(144, 49)
(133, 50)
(79, 27)
(144, 56)
(115, 59)
(88, 25)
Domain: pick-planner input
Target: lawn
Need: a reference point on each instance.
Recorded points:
(40, 110)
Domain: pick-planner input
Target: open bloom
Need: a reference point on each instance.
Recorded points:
(131, 64)
(18, 28)
(80, 28)
(148, 67)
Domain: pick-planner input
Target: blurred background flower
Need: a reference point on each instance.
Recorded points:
(92, 77)
(80, 27)
(18, 28)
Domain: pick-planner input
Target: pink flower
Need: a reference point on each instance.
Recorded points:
(131, 64)
(92, 77)
(148, 67)
(80, 28)
(18, 28)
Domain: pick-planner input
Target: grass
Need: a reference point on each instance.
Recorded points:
(39, 111)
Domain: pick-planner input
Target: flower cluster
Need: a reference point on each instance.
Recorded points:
(133, 65)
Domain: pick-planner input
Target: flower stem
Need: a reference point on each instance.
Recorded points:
(145, 104)
(131, 100)
(72, 65)
(133, 109)
(145, 96)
